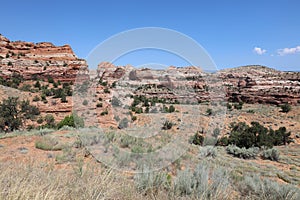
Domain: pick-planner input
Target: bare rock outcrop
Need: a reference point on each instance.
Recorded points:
(40, 60)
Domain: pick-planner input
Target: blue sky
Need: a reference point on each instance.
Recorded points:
(233, 32)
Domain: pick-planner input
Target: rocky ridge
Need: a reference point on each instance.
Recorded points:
(39, 61)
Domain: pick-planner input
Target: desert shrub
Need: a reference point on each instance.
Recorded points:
(123, 123)
(29, 111)
(99, 105)
(223, 141)
(196, 139)
(270, 154)
(167, 125)
(210, 141)
(169, 109)
(63, 99)
(105, 112)
(36, 98)
(9, 63)
(50, 121)
(137, 110)
(50, 79)
(115, 102)
(66, 156)
(257, 135)
(40, 120)
(209, 111)
(103, 83)
(242, 152)
(126, 141)
(256, 188)
(286, 108)
(13, 112)
(238, 106)
(58, 93)
(216, 132)
(251, 111)
(133, 118)
(184, 182)
(203, 183)
(48, 143)
(72, 120)
(106, 90)
(149, 181)
(207, 151)
(25, 87)
(90, 137)
(55, 84)
(85, 102)
(280, 136)
(229, 106)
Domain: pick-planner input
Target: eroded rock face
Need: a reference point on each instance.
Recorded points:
(41, 60)
(258, 84)
(251, 84)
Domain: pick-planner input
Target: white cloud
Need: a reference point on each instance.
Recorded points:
(259, 50)
(286, 51)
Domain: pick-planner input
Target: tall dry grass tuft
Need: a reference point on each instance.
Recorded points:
(30, 181)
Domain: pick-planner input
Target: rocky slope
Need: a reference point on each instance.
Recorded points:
(249, 84)
(259, 84)
(23, 63)
(40, 60)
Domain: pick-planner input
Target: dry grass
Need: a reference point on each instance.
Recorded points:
(29, 181)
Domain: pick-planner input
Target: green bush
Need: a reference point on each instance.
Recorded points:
(209, 111)
(238, 106)
(40, 120)
(50, 121)
(10, 118)
(286, 108)
(133, 118)
(105, 112)
(229, 106)
(197, 139)
(167, 125)
(99, 105)
(257, 135)
(29, 111)
(14, 112)
(223, 141)
(50, 79)
(72, 120)
(63, 99)
(106, 90)
(36, 98)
